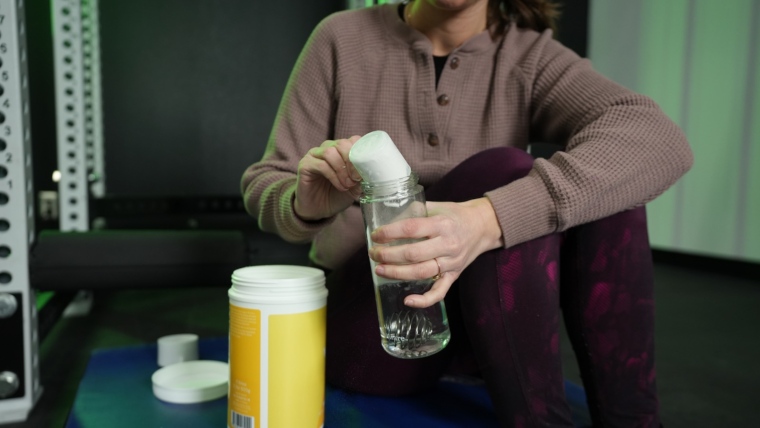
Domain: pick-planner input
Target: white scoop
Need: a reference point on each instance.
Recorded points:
(377, 159)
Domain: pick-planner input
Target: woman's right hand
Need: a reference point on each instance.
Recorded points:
(327, 181)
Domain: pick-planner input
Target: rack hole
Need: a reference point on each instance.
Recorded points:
(72, 155)
(73, 216)
(3, 198)
(5, 251)
(3, 172)
(5, 277)
(3, 145)
(2, 118)
(72, 185)
(4, 225)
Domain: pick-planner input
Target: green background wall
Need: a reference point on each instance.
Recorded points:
(699, 59)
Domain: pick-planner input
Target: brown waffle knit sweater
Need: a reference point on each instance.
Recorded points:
(365, 70)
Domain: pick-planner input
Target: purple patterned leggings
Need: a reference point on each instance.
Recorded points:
(504, 314)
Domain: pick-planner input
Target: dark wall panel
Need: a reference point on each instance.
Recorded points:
(39, 42)
(572, 28)
(191, 88)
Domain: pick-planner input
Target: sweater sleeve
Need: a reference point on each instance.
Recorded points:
(620, 149)
(304, 120)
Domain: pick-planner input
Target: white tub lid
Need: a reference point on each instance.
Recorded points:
(191, 381)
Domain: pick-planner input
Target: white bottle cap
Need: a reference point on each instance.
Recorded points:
(377, 159)
(177, 348)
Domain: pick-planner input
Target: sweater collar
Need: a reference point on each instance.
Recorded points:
(397, 29)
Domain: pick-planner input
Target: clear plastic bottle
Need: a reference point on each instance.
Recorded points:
(405, 332)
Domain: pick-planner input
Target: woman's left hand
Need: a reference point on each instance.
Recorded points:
(457, 234)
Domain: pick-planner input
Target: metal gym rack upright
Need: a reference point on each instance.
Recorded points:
(80, 161)
(19, 363)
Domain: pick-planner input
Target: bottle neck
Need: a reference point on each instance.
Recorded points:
(401, 187)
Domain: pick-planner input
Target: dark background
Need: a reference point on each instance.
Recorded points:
(192, 87)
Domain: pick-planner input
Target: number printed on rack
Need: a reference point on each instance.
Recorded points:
(241, 421)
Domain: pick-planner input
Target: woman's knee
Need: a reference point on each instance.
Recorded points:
(482, 172)
(509, 162)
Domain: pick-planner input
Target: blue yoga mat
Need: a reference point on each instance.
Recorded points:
(116, 391)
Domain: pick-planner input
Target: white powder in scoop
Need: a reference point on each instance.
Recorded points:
(377, 159)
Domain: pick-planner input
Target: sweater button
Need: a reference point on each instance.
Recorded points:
(443, 100)
(454, 63)
(433, 139)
